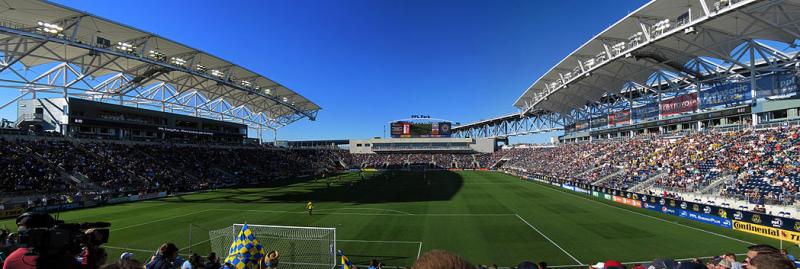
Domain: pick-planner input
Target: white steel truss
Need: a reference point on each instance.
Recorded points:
(41, 64)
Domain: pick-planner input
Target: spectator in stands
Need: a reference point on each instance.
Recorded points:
(755, 250)
(165, 258)
(785, 252)
(440, 259)
(730, 257)
(213, 261)
(273, 259)
(3, 251)
(194, 262)
(124, 264)
(527, 265)
(374, 264)
(770, 261)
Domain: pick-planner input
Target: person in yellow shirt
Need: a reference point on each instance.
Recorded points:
(309, 207)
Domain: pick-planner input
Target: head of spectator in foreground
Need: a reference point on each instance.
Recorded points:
(663, 264)
(124, 264)
(168, 251)
(692, 264)
(542, 265)
(770, 261)
(612, 264)
(33, 220)
(527, 265)
(755, 250)
(440, 259)
(212, 259)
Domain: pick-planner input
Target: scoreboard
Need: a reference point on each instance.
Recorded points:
(407, 129)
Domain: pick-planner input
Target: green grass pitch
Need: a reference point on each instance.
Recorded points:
(486, 217)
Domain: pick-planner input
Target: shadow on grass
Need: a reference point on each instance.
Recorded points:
(388, 187)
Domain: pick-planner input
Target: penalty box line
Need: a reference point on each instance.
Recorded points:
(548, 239)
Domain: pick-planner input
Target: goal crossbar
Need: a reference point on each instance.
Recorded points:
(299, 247)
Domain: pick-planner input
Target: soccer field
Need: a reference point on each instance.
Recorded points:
(486, 217)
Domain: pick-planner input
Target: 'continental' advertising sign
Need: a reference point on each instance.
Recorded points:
(780, 234)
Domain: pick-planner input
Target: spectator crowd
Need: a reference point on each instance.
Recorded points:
(757, 165)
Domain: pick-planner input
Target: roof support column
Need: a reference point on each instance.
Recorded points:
(752, 68)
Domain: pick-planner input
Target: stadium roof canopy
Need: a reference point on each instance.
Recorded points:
(38, 33)
(688, 39)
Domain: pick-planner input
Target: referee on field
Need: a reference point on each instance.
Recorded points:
(309, 207)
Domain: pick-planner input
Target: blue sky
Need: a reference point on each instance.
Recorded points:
(367, 62)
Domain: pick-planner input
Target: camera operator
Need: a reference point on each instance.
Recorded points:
(20, 258)
(48, 243)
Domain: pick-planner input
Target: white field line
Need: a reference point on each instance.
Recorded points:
(377, 241)
(374, 214)
(365, 208)
(161, 219)
(419, 250)
(548, 239)
(660, 219)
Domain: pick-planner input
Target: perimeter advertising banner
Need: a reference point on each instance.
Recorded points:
(786, 229)
(790, 236)
(705, 218)
(679, 104)
(619, 118)
(645, 112)
(726, 94)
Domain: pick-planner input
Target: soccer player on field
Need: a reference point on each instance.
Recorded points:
(309, 207)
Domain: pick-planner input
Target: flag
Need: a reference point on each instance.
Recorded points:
(246, 252)
(346, 264)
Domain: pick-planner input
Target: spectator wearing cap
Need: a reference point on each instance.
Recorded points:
(612, 264)
(126, 256)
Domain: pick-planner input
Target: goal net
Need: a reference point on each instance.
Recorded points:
(299, 247)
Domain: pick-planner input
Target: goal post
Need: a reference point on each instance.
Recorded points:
(299, 247)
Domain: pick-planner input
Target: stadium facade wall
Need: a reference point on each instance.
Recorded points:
(428, 145)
